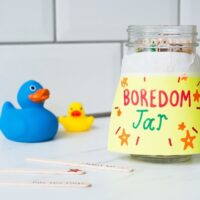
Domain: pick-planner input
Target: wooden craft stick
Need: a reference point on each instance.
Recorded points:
(83, 164)
(57, 184)
(47, 172)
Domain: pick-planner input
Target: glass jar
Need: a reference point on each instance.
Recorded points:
(180, 39)
(156, 52)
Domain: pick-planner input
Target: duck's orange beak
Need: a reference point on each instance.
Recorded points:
(76, 113)
(39, 96)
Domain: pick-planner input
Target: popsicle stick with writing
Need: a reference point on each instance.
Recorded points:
(91, 165)
(57, 184)
(45, 172)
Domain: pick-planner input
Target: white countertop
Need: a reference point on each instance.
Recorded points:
(148, 181)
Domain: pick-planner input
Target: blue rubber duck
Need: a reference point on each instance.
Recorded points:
(33, 122)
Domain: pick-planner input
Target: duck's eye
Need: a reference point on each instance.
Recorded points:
(71, 108)
(81, 108)
(32, 88)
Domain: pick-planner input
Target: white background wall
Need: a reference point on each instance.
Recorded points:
(74, 47)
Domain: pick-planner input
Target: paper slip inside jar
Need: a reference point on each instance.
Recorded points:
(156, 109)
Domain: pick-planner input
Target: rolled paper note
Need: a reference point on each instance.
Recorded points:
(164, 45)
(97, 166)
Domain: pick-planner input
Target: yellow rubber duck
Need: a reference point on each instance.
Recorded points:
(76, 121)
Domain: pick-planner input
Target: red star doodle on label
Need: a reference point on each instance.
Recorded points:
(181, 126)
(188, 140)
(119, 112)
(184, 77)
(124, 82)
(124, 137)
(196, 96)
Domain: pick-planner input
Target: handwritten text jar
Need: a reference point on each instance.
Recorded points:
(156, 109)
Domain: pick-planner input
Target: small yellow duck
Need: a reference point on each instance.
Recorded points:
(76, 121)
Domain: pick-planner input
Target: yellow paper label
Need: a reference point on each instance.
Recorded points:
(156, 115)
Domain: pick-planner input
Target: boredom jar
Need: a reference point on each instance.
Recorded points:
(156, 110)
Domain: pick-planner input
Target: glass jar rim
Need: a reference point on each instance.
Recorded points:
(187, 33)
(163, 29)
